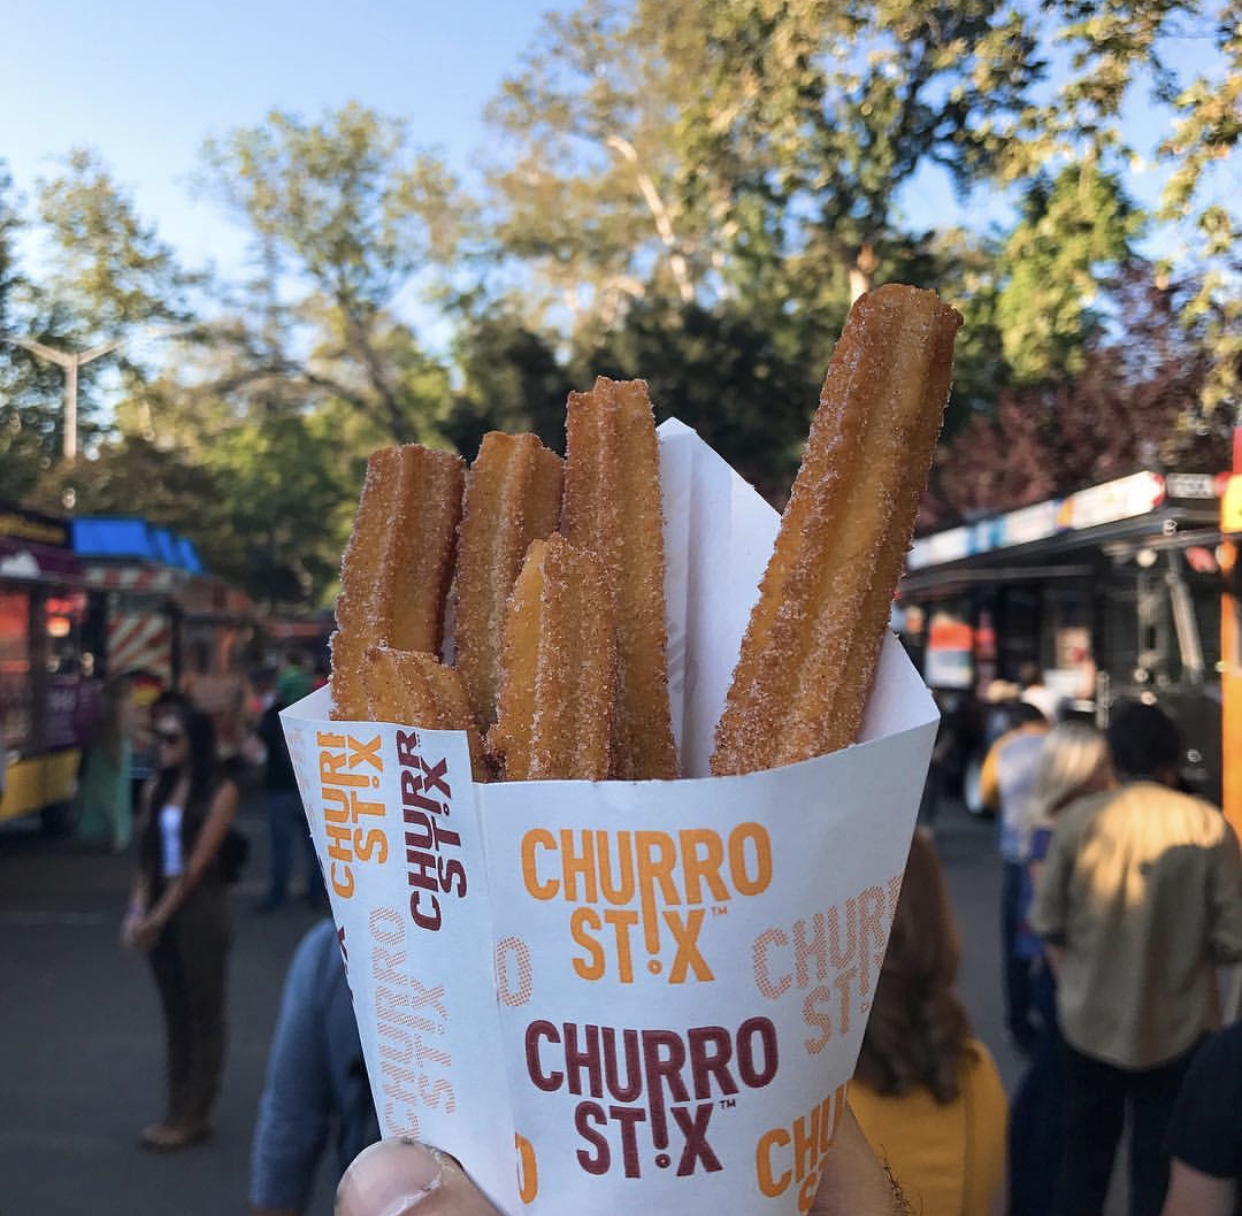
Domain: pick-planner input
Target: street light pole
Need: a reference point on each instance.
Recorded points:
(71, 361)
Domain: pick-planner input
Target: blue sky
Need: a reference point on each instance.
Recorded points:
(145, 82)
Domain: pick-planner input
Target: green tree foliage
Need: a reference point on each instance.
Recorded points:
(290, 501)
(343, 216)
(1074, 231)
(718, 147)
(29, 409)
(512, 379)
(105, 276)
(1121, 54)
(129, 475)
(106, 266)
(690, 193)
(1137, 402)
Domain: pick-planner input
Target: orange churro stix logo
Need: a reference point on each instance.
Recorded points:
(648, 1096)
(433, 864)
(794, 1156)
(833, 958)
(644, 890)
(349, 771)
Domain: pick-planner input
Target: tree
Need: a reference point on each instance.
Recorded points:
(721, 374)
(746, 150)
(1117, 53)
(344, 215)
(107, 266)
(1074, 230)
(290, 503)
(106, 277)
(29, 413)
(1136, 403)
(512, 380)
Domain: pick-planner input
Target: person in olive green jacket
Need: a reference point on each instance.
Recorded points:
(1139, 900)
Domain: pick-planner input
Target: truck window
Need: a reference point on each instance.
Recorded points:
(16, 688)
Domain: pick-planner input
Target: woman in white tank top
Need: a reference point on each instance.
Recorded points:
(179, 915)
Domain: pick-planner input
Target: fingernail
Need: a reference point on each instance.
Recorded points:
(389, 1178)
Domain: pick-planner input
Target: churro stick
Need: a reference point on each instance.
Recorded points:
(397, 566)
(558, 695)
(808, 658)
(513, 496)
(415, 689)
(612, 508)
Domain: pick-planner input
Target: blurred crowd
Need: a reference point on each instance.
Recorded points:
(1121, 901)
(1120, 912)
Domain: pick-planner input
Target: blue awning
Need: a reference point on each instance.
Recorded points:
(121, 538)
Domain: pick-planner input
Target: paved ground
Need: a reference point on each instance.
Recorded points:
(80, 1043)
(81, 1052)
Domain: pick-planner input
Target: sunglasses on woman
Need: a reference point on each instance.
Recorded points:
(170, 738)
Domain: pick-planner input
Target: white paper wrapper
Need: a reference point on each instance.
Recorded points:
(594, 994)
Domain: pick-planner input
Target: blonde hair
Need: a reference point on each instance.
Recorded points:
(1075, 760)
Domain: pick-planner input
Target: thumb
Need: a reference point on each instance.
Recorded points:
(854, 1182)
(405, 1178)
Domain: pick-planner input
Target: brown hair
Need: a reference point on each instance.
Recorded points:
(918, 1032)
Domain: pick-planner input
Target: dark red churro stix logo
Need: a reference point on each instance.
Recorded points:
(648, 1096)
(434, 867)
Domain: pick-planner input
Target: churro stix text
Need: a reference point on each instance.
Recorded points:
(349, 771)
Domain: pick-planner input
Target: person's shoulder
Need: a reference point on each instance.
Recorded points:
(1082, 812)
(1193, 809)
(979, 1059)
(322, 948)
(320, 939)
(983, 1077)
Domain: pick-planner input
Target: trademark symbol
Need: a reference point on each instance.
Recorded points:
(720, 909)
(728, 1103)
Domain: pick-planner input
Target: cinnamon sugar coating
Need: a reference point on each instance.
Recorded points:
(513, 496)
(412, 688)
(809, 655)
(612, 508)
(397, 566)
(558, 698)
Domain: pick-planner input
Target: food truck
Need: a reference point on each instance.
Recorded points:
(48, 693)
(156, 617)
(1115, 592)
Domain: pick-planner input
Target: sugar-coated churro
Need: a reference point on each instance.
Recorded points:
(513, 496)
(397, 566)
(558, 695)
(809, 655)
(612, 508)
(412, 688)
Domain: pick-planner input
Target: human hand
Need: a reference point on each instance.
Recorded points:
(143, 932)
(129, 926)
(402, 1178)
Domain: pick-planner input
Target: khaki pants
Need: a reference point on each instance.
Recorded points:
(190, 962)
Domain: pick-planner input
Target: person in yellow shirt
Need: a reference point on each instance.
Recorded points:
(926, 1093)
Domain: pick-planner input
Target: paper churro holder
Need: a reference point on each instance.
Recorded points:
(594, 994)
